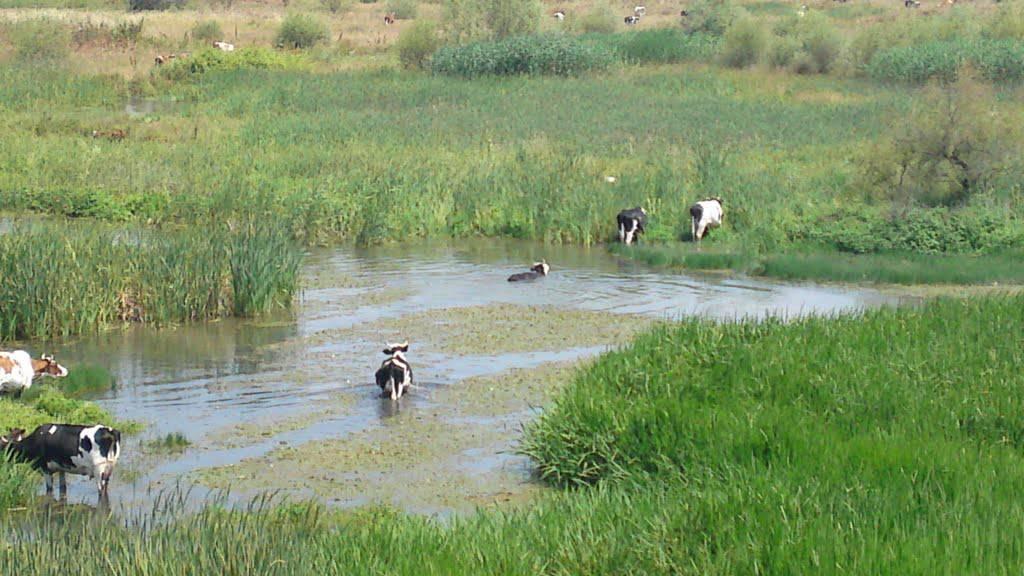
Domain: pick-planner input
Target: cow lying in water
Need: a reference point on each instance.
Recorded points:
(631, 224)
(538, 270)
(18, 369)
(67, 449)
(705, 215)
(395, 375)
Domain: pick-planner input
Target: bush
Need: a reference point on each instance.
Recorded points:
(403, 9)
(250, 58)
(127, 32)
(950, 148)
(744, 43)
(207, 31)
(142, 5)
(301, 31)
(711, 16)
(542, 54)
(601, 18)
(783, 51)
(474, 20)
(667, 45)
(417, 44)
(41, 40)
(996, 60)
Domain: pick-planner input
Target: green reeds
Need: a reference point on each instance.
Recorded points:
(61, 280)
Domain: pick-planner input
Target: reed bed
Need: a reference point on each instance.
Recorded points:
(61, 280)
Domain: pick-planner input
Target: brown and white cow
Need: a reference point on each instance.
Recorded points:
(18, 369)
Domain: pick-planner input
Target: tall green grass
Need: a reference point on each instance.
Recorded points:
(548, 54)
(61, 280)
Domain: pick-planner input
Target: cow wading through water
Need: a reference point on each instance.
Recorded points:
(704, 216)
(67, 449)
(631, 224)
(394, 375)
(18, 369)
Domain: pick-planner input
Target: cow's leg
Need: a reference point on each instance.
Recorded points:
(394, 388)
(629, 233)
(700, 230)
(49, 482)
(63, 485)
(622, 232)
(693, 229)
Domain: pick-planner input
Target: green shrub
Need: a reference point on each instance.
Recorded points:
(996, 60)
(301, 31)
(40, 40)
(465, 21)
(144, 5)
(207, 31)
(952, 146)
(249, 58)
(403, 9)
(783, 51)
(711, 16)
(475, 20)
(744, 43)
(417, 44)
(543, 54)
(666, 45)
(601, 18)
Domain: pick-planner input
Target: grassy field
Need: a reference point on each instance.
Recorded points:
(875, 443)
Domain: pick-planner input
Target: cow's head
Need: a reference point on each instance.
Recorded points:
(13, 437)
(394, 348)
(47, 366)
(541, 267)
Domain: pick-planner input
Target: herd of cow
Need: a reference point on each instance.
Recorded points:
(93, 450)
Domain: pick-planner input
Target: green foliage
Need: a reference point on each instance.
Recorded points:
(110, 276)
(476, 20)
(711, 16)
(40, 40)
(207, 31)
(250, 58)
(896, 268)
(931, 231)
(744, 43)
(417, 44)
(951, 147)
(144, 5)
(664, 45)
(172, 442)
(127, 32)
(18, 483)
(995, 60)
(85, 379)
(335, 6)
(301, 31)
(403, 9)
(543, 54)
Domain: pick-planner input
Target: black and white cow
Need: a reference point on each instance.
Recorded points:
(704, 216)
(394, 375)
(631, 20)
(538, 270)
(67, 449)
(631, 224)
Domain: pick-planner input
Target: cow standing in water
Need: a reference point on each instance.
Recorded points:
(631, 224)
(395, 375)
(67, 449)
(705, 215)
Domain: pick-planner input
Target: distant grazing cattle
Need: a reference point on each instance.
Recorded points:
(559, 15)
(911, 3)
(18, 369)
(640, 10)
(390, 18)
(631, 224)
(224, 46)
(684, 13)
(538, 270)
(631, 20)
(67, 449)
(394, 375)
(705, 215)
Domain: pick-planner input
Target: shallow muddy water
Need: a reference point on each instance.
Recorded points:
(288, 403)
